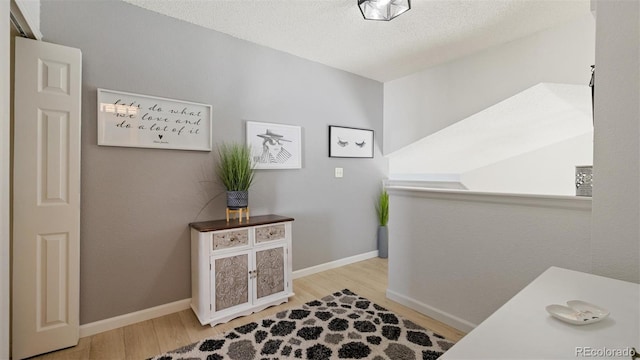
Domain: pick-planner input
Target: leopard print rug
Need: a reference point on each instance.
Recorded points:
(342, 325)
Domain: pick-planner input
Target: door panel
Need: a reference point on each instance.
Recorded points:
(231, 276)
(270, 264)
(53, 156)
(52, 280)
(46, 202)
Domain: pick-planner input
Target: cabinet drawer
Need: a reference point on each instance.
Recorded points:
(270, 233)
(230, 239)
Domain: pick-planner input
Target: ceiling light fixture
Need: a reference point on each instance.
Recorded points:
(383, 9)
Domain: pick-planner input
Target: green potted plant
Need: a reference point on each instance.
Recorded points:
(236, 171)
(382, 210)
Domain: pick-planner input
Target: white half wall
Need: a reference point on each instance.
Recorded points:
(550, 170)
(529, 143)
(422, 103)
(461, 255)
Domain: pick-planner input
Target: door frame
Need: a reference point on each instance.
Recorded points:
(5, 158)
(28, 15)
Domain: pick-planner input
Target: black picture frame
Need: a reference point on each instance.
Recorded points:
(350, 142)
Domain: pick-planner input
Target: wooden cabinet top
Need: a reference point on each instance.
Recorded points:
(215, 225)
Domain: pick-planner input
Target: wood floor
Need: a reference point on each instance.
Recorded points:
(152, 337)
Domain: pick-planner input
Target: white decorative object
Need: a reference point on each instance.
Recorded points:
(239, 268)
(133, 120)
(577, 312)
(275, 146)
(584, 180)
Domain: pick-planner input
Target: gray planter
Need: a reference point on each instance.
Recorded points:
(383, 242)
(237, 199)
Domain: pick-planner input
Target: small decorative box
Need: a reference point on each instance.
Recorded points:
(584, 180)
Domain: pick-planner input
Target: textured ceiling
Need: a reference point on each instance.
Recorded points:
(333, 32)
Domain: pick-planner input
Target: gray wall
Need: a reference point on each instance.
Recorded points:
(616, 159)
(137, 203)
(422, 103)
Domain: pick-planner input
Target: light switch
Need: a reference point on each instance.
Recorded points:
(339, 172)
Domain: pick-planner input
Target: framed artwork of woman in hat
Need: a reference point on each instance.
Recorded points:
(274, 146)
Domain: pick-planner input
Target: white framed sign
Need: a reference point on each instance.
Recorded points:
(133, 120)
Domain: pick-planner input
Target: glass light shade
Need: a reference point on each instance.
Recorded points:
(383, 9)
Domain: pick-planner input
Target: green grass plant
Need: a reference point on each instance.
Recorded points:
(235, 168)
(382, 208)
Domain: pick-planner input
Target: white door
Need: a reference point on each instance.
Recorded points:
(46, 198)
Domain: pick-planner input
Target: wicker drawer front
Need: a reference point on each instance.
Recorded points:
(270, 233)
(230, 239)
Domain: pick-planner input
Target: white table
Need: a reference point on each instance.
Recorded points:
(522, 329)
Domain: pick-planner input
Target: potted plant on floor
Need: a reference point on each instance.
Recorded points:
(236, 171)
(382, 210)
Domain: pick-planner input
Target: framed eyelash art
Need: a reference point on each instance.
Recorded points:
(347, 142)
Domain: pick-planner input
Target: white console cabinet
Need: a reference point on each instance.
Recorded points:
(239, 268)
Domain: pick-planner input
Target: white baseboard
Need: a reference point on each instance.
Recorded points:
(166, 309)
(431, 311)
(132, 318)
(334, 264)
